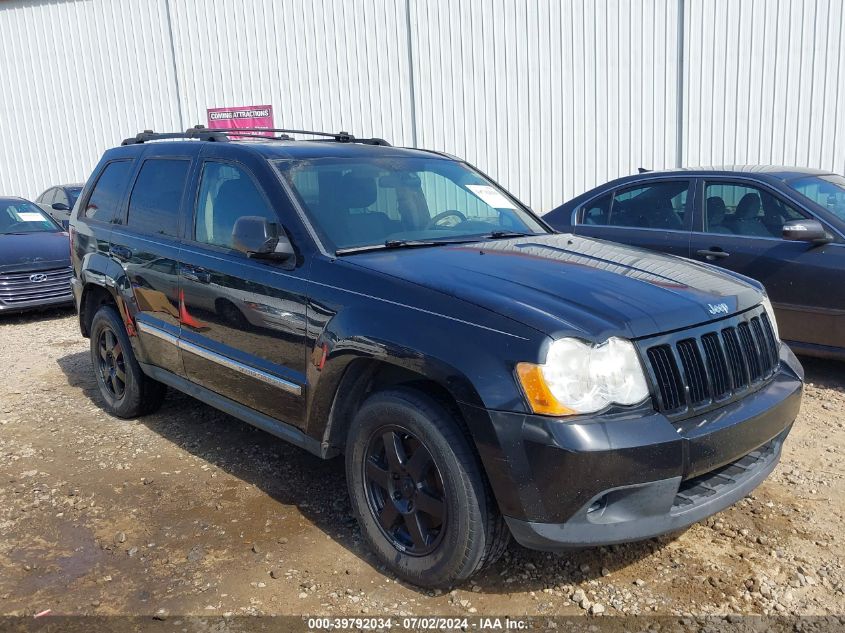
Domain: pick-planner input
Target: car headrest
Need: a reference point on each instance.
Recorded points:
(357, 192)
(748, 207)
(716, 210)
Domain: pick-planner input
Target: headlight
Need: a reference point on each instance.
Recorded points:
(771, 312)
(581, 378)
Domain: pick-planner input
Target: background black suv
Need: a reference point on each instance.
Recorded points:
(482, 374)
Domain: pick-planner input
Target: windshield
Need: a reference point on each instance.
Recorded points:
(827, 191)
(20, 216)
(73, 195)
(358, 202)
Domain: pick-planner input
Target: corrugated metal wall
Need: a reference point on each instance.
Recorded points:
(765, 83)
(75, 78)
(548, 97)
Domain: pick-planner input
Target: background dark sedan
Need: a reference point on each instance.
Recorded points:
(784, 226)
(34, 258)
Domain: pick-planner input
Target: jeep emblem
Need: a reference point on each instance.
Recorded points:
(717, 308)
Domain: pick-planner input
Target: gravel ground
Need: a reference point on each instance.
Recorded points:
(190, 511)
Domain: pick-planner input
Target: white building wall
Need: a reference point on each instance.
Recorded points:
(765, 83)
(548, 97)
(75, 79)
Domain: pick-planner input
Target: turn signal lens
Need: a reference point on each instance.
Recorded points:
(537, 391)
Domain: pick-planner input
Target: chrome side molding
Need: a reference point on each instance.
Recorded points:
(220, 359)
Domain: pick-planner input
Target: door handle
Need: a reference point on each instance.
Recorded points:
(713, 254)
(120, 252)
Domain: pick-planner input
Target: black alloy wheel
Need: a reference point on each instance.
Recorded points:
(112, 365)
(405, 491)
(126, 391)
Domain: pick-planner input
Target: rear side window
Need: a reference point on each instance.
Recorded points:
(157, 196)
(659, 205)
(108, 192)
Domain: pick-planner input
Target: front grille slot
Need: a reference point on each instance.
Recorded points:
(749, 351)
(669, 381)
(694, 370)
(716, 365)
(736, 362)
(691, 373)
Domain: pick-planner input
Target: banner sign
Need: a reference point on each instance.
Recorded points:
(241, 117)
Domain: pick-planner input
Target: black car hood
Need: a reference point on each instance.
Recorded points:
(34, 251)
(566, 284)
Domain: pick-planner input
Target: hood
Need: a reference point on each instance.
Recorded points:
(566, 284)
(34, 251)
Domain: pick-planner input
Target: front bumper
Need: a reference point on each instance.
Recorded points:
(635, 475)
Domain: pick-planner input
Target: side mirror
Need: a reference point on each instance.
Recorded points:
(60, 206)
(805, 231)
(257, 237)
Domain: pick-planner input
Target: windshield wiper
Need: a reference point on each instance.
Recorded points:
(497, 235)
(391, 244)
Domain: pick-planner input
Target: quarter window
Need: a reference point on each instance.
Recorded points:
(227, 193)
(742, 209)
(157, 196)
(108, 192)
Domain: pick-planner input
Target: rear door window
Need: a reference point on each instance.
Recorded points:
(157, 196)
(659, 205)
(108, 192)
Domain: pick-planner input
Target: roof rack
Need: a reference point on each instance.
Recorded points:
(203, 133)
(339, 137)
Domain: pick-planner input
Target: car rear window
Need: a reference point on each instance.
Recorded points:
(108, 192)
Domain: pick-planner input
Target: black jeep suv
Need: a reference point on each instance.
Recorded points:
(483, 375)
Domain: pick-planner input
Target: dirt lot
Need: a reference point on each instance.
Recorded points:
(189, 511)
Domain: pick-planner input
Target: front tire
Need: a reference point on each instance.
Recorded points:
(126, 391)
(418, 490)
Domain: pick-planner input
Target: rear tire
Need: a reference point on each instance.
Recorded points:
(418, 490)
(126, 391)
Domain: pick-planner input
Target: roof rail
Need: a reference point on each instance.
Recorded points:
(203, 133)
(199, 132)
(340, 137)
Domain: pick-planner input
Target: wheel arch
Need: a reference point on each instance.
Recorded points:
(94, 296)
(338, 397)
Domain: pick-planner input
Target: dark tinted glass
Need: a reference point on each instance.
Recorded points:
(659, 205)
(226, 194)
(73, 195)
(108, 192)
(597, 211)
(157, 196)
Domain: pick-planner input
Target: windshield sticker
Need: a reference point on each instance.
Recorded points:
(492, 197)
(29, 216)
